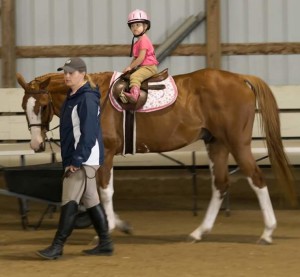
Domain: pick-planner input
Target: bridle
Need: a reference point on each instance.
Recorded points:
(45, 121)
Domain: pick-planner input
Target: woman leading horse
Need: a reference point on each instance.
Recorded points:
(214, 105)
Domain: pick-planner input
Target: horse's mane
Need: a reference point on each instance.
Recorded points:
(45, 76)
(57, 84)
(54, 75)
(100, 73)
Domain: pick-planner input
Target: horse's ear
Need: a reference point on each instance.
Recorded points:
(45, 83)
(21, 81)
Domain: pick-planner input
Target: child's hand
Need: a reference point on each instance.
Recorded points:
(128, 68)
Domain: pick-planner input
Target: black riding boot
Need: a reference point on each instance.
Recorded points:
(99, 220)
(64, 230)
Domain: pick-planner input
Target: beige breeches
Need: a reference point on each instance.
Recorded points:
(141, 74)
(75, 188)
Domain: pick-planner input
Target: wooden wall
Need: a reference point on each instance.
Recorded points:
(213, 49)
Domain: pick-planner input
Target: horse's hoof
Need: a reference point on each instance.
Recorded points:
(262, 241)
(191, 239)
(126, 228)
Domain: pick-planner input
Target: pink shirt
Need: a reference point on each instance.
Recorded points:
(145, 43)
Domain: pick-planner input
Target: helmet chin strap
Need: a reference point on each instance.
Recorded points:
(132, 42)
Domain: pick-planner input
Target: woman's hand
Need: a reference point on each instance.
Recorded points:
(73, 168)
(69, 170)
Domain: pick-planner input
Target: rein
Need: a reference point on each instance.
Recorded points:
(50, 141)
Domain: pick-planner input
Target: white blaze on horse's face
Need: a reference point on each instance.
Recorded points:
(35, 131)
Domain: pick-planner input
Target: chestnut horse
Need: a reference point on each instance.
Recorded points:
(216, 106)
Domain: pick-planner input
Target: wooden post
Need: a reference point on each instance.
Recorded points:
(213, 40)
(8, 43)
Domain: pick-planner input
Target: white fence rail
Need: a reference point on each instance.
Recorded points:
(14, 130)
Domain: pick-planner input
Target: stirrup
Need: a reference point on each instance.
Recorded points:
(130, 98)
(123, 97)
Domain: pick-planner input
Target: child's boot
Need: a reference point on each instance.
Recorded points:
(133, 95)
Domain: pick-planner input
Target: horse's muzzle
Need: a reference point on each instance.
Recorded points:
(41, 148)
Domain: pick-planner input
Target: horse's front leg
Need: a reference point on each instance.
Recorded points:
(218, 155)
(106, 196)
(210, 216)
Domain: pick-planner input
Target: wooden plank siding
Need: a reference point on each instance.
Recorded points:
(8, 43)
(14, 127)
(122, 50)
(235, 30)
(14, 131)
(213, 34)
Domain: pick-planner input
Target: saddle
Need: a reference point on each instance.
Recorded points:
(122, 84)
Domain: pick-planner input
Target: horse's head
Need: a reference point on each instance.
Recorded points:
(38, 107)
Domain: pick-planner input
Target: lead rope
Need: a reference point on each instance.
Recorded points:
(50, 141)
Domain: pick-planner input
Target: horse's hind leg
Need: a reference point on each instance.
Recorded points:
(218, 155)
(255, 178)
(267, 210)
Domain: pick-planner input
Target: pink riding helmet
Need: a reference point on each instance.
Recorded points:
(138, 16)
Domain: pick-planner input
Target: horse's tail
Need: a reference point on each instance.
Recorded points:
(270, 127)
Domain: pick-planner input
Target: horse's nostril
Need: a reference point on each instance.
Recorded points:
(41, 148)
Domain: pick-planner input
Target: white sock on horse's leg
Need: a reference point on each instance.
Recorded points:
(210, 216)
(106, 196)
(267, 211)
(113, 219)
